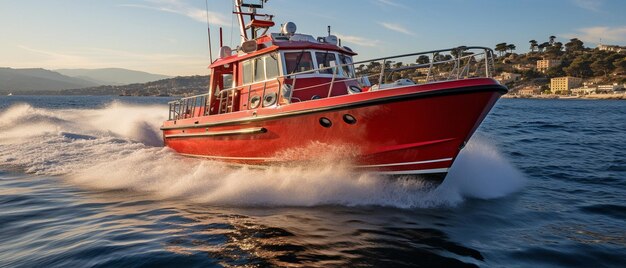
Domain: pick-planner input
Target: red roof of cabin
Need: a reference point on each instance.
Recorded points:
(279, 45)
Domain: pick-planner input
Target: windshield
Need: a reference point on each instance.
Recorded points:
(324, 60)
(296, 62)
(347, 66)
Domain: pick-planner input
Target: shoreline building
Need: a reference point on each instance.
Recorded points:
(505, 77)
(563, 85)
(544, 65)
(529, 91)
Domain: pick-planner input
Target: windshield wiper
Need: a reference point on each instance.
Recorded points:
(295, 68)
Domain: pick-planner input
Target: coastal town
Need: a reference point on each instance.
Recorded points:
(556, 70)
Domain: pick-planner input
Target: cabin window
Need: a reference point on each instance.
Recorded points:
(227, 81)
(324, 60)
(348, 70)
(298, 62)
(271, 66)
(259, 70)
(247, 72)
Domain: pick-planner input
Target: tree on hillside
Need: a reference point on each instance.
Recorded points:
(533, 45)
(510, 47)
(574, 45)
(542, 46)
(423, 59)
(602, 67)
(620, 64)
(501, 47)
(552, 38)
(580, 67)
(556, 71)
(555, 50)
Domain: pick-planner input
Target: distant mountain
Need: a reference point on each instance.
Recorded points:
(112, 76)
(177, 86)
(30, 80)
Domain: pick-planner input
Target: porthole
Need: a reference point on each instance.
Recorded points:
(325, 122)
(349, 119)
(316, 97)
(269, 99)
(255, 102)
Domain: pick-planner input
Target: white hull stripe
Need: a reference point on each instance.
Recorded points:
(406, 163)
(402, 172)
(218, 133)
(231, 158)
(413, 172)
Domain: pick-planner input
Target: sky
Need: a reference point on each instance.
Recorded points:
(170, 36)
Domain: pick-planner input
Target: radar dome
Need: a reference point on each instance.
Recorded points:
(289, 28)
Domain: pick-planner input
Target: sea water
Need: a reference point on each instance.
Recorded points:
(85, 181)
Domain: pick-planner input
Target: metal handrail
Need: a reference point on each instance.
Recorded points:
(461, 67)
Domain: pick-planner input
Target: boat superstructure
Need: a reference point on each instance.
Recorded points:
(285, 97)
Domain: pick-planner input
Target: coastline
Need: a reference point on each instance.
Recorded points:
(566, 97)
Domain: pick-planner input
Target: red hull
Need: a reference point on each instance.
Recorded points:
(417, 129)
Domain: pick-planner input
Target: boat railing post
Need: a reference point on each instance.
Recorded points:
(193, 107)
(332, 82)
(486, 63)
(263, 95)
(458, 64)
(233, 93)
(382, 73)
(430, 68)
(293, 84)
(207, 105)
(219, 110)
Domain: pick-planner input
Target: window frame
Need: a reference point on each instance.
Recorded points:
(262, 57)
(316, 64)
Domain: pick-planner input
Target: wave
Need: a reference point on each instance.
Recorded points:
(120, 147)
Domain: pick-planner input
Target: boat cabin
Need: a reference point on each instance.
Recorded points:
(279, 69)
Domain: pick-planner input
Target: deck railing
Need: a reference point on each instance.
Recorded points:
(414, 68)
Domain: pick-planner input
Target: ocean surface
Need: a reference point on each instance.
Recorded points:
(85, 182)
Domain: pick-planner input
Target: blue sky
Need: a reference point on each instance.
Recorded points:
(169, 36)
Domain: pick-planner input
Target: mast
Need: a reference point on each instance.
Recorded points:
(239, 13)
(250, 30)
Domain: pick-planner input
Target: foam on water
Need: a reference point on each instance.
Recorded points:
(119, 147)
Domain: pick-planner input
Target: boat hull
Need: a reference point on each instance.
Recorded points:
(413, 130)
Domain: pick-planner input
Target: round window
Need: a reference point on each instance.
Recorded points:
(269, 99)
(325, 122)
(254, 102)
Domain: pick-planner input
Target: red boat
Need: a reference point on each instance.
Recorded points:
(287, 97)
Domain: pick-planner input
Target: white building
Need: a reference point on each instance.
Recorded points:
(505, 77)
(612, 48)
(609, 88)
(585, 90)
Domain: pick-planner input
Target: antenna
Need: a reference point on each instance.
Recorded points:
(208, 27)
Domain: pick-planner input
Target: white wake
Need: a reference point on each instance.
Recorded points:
(120, 147)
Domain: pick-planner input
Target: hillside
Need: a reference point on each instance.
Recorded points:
(112, 76)
(177, 86)
(28, 80)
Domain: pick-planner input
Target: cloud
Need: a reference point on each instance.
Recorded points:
(396, 28)
(181, 8)
(389, 3)
(597, 33)
(360, 41)
(593, 5)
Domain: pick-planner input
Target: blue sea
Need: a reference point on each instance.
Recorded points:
(85, 182)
